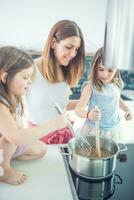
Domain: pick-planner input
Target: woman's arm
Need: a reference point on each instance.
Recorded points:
(10, 130)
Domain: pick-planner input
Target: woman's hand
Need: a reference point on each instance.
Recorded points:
(94, 114)
(128, 115)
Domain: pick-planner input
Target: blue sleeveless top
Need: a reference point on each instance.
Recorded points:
(108, 103)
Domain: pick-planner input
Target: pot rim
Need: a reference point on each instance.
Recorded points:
(103, 158)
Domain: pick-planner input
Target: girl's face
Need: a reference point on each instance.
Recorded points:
(21, 82)
(66, 49)
(105, 75)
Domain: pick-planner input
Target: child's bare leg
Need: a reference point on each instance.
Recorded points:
(34, 151)
(11, 176)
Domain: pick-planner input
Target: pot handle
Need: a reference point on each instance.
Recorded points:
(122, 147)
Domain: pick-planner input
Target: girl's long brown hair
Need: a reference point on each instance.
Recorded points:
(12, 61)
(60, 31)
(97, 60)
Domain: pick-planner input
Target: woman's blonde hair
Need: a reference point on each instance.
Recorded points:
(97, 60)
(12, 61)
(60, 31)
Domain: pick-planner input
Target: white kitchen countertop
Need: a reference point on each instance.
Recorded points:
(128, 93)
(47, 179)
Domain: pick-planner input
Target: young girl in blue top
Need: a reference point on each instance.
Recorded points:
(102, 90)
(16, 72)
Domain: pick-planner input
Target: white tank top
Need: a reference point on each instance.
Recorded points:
(41, 96)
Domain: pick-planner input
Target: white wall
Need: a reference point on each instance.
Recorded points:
(26, 23)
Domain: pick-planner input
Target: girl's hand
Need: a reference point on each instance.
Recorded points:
(128, 115)
(94, 114)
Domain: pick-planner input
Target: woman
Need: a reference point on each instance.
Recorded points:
(60, 67)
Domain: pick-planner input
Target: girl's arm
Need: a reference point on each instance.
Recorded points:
(80, 108)
(13, 134)
(123, 106)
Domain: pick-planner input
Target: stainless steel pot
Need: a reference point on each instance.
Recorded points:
(95, 167)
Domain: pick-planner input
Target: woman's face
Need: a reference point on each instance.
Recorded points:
(105, 75)
(66, 49)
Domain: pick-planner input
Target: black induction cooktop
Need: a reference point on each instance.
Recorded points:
(120, 186)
